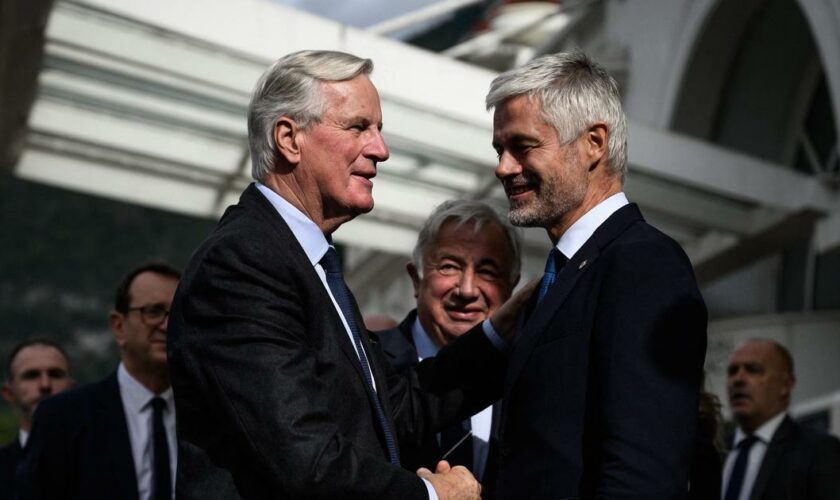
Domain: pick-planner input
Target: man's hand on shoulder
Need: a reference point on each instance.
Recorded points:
(504, 319)
(452, 483)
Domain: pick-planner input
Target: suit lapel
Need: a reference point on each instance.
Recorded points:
(397, 343)
(774, 453)
(580, 263)
(376, 370)
(114, 419)
(252, 199)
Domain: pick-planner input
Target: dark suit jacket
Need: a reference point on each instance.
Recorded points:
(10, 456)
(398, 346)
(270, 396)
(603, 380)
(800, 464)
(79, 447)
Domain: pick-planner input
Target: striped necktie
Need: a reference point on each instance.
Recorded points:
(555, 262)
(335, 280)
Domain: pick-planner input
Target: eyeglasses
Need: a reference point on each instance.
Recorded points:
(152, 315)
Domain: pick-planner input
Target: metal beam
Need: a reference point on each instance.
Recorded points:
(427, 13)
(725, 172)
(789, 230)
(22, 27)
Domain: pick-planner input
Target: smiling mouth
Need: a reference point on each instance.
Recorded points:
(465, 314)
(365, 177)
(514, 190)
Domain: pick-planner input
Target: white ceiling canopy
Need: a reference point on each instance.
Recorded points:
(145, 102)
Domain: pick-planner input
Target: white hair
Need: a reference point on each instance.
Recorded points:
(463, 212)
(574, 92)
(292, 87)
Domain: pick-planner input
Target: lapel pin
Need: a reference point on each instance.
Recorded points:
(582, 265)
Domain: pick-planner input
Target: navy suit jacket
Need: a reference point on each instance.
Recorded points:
(79, 447)
(398, 346)
(270, 396)
(10, 456)
(603, 380)
(799, 464)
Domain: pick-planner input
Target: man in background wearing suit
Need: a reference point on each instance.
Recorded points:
(603, 378)
(36, 369)
(281, 391)
(114, 439)
(773, 457)
(464, 266)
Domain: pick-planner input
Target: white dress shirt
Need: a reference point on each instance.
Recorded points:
(759, 449)
(23, 437)
(568, 244)
(480, 422)
(136, 402)
(315, 246)
(583, 228)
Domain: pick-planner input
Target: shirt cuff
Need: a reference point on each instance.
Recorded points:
(430, 489)
(498, 342)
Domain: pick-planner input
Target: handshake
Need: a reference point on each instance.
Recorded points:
(452, 483)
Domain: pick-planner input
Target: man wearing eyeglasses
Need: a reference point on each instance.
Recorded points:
(114, 439)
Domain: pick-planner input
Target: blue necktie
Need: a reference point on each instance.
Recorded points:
(332, 267)
(736, 479)
(553, 264)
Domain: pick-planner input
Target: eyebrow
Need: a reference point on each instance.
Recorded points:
(517, 139)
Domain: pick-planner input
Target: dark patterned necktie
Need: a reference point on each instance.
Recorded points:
(162, 471)
(335, 280)
(736, 479)
(555, 262)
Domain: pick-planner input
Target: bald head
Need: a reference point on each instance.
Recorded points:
(759, 382)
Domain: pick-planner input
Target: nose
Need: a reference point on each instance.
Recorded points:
(467, 288)
(507, 166)
(377, 150)
(45, 383)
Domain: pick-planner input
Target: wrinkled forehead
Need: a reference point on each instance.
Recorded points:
(488, 238)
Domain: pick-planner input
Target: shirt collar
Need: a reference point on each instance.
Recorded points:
(135, 395)
(583, 228)
(764, 433)
(306, 232)
(23, 436)
(422, 342)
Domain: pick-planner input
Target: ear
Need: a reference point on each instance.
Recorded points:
(8, 395)
(415, 276)
(287, 136)
(787, 384)
(597, 138)
(117, 322)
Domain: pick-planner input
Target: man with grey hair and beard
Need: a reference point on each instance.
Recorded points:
(280, 390)
(601, 394)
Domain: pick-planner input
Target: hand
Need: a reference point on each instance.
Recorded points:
(504, 319)
(452, 483)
